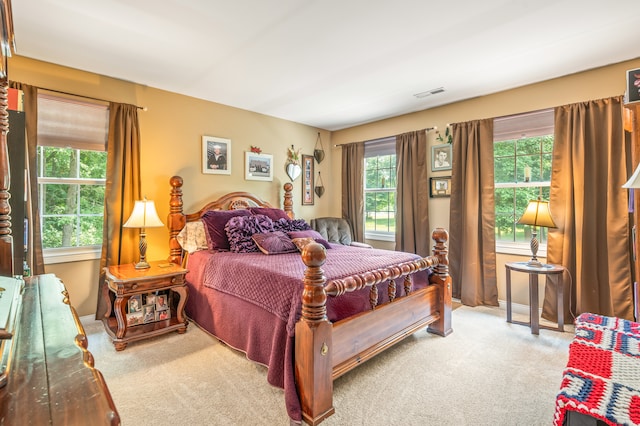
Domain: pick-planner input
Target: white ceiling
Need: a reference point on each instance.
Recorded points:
(329, 63)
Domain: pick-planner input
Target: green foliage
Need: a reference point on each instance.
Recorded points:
(510, 159)
(72, 208)
(380, 196)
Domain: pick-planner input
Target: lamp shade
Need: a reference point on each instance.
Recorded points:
(537, 214)
(634, 180)
(144, 215)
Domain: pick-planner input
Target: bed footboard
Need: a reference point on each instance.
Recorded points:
(324, 351)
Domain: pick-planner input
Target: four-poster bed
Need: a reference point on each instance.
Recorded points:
(318, 328)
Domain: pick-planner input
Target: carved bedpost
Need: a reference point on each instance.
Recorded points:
(6, 239)
(288, 200)
(176, 219)
(442, 327)
(313, 344)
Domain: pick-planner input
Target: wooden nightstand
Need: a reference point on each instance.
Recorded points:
(148, 302)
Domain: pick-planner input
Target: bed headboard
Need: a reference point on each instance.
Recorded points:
(231, 201)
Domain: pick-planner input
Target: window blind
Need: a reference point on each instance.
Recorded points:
(527, 125)
(71, 123)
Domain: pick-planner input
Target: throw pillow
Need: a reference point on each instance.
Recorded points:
(193, 237)
(215, 221)
(310, 233)
(274, 243)
(270, 212)
(240, 229)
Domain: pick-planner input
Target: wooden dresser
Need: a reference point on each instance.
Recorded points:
(51, 377)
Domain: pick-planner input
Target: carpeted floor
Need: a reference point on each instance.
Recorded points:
(488, 372)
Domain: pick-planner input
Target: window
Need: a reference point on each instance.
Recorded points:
(523, 147)
(71, 162)
(380, 189)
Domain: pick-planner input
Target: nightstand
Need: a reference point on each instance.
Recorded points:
(534, 271)
(148, 302)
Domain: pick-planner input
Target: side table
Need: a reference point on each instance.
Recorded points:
(534, 272)
(148, 302)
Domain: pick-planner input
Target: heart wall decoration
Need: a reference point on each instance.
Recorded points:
(293, 171)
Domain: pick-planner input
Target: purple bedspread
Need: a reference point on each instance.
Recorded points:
(252, 301)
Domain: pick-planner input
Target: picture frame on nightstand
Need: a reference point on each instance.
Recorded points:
(149, 313)
(134, 318)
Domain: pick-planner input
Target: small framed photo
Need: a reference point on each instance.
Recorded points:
(149, 299)
(633, 86)
(135, 304)
(307, 180)
(441, 157)
(216, 155)
(162, 302)
(440, 186)
(258, 166)
(149, 313)
(165, 314)
(134, 319)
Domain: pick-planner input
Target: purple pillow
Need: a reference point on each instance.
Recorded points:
(310, 233)
(274, 243)
(240, 229)
(288, 225)
(214, 223)
(270, 212)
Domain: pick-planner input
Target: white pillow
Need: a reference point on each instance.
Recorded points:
(193, 237)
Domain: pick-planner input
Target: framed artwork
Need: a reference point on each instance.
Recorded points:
(440, 186)
(441, 157)
(216, 155)
(258, 166)
(307, 180)
(633, 86)
(135, 304)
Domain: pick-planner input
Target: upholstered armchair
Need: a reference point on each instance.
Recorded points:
(336, 230)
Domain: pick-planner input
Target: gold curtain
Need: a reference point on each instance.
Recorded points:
(412, 194)
(34, 244)
(353, 187)
(120, 245)
(472, 245)
(590, 208)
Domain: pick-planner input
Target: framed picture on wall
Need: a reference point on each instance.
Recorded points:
(633, 86)
(441, 157)
(307, 180)
(440, 186)
(258, 166)
(216, 155)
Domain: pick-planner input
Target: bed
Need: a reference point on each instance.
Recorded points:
(309, 315)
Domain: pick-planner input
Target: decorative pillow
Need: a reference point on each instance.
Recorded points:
(193, 237)
(214, 223)
(288, 225)
(272, 213)
(240, 229)
(302, 242)
(310, 234)
(274, 243)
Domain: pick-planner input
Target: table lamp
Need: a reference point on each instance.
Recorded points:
(634, 180)
(143, 216)
(536, 214)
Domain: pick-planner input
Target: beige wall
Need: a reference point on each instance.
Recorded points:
(172, 127)
(595, 84)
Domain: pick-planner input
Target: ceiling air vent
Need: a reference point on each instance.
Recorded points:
(429, 92)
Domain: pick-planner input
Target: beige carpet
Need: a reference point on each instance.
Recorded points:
(487, 372)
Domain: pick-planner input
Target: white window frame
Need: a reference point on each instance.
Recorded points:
(56, 122)
(378, 235)
(536, 123)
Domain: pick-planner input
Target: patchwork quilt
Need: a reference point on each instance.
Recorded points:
(602, 377)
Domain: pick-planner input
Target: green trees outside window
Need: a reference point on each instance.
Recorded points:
(380, 193)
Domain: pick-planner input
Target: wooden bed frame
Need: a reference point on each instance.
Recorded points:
(325, 350)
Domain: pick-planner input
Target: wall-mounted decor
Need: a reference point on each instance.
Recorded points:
(258, 166)
(216, 155)
(307, 180)
(293, 163)
(633, 86)
(318, 150)
(440, 186)
(441, 157)
(319, 189)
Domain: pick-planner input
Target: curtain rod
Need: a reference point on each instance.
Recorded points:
(86, 97)
(384, 137)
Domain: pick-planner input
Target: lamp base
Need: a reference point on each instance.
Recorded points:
(535, 263)
(142, 265)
